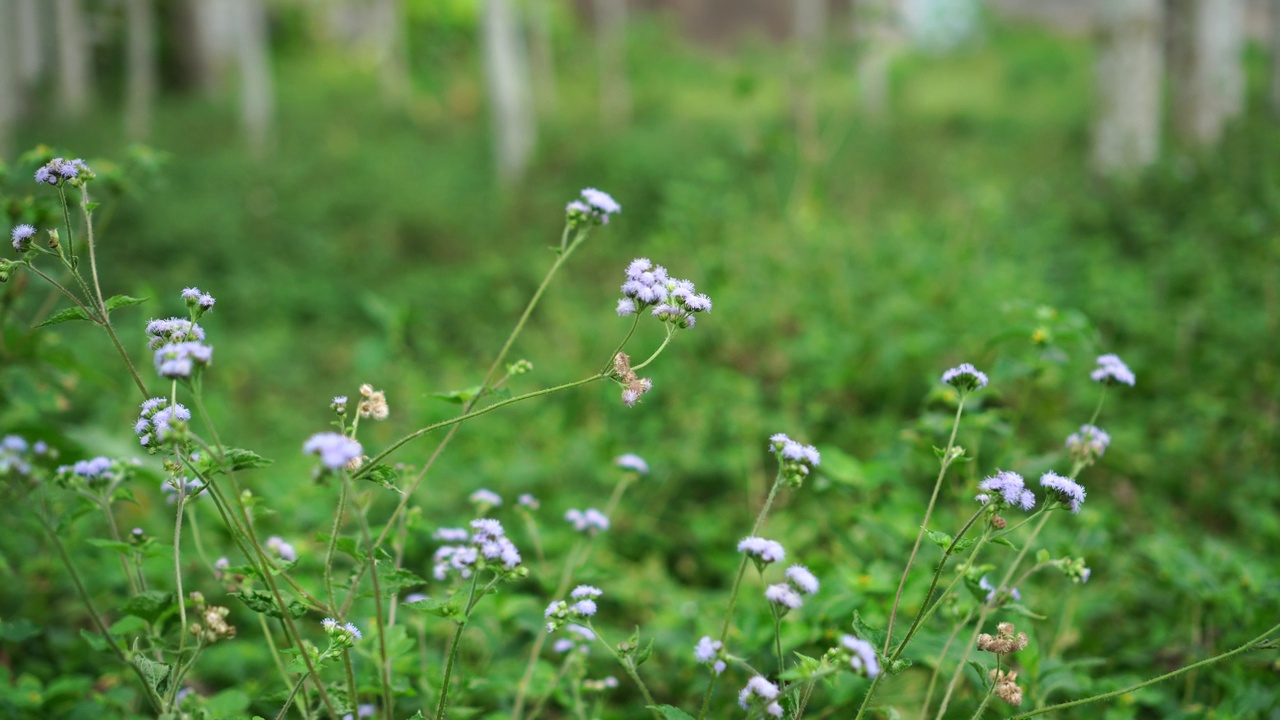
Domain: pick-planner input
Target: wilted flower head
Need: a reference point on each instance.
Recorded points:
(374, 404)
(965, 378)
(1066, 490)
(862, 656)
(1005, 641)
(1009, 488)
(633, 462)
(335, 449)
(1089, 444)
(590, 520)
(1111, 370)
(22, 237)
(761, 550)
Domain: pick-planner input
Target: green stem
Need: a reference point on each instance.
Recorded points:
(937, 485)
(542, 701)
(986, 699)
(1159, 678)
(177, 582)
(937, 668)
(562, 586)
(443, 702)
(91, 314)
(665, 341)
(388, 701)
(333, 541)
(289, 700)
(629, 667)
(737, 584)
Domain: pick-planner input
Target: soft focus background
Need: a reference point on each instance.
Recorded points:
(871, 191)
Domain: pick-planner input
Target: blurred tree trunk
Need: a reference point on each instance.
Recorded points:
(30, 51)
(1129, 67)
(542, 47)
(506, 73)
(1275, 58)
(74, 57)
(141, 63)
(253, 54)
(390, 38)
(876, 38)
(809, 18)
(1206, 64)
(10, 91)
(208, 42)
(611, 44)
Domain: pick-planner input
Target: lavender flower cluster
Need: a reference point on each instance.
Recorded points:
(1089, 444)
(1111, 370)
(335, 449)
(710, 652)
(765, 691)
(590, 521)
(673, 300)
(159, 421)
(485, 546)
(21, 236)
(16, 454)
(1008, 488)
(795, 460)
(789, 595)
(582, 607)
(592, 206)
(965, 378)
(59, 169)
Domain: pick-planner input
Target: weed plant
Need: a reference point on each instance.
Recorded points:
(404, 601)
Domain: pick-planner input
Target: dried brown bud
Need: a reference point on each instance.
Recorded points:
(998, 522)
(1007, 687)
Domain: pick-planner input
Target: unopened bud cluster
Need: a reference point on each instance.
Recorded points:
(794, 459)
(215, 626)
(580, 606)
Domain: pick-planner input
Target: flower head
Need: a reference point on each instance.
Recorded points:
(593, 206)
(965, 378)
(757, 687)
(1088, 444)
(22, 237)
(59, 169)
(784, 596)
(374, 404)
(632, 462)
(796, 459)
(1009, 488)
(335, 449)
(182, 359)
(485, 497)
(1066, 490)
(673, 300)
(160, 422)
(172, 330)
(1111, 370)
(276, 544)
(527, 501)
(993, 593)
(589, 521)
(802, 580)
(762, 550)
(862, 656)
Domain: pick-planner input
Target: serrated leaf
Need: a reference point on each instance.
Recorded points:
(939, 538)
(898, 665)
(350, 547)
(644, 653)
(981, 670)
(446, 610)
(148, 605)
(383, 475)
(392, 580)
(67, 315)
(118, 301)
(156, 674)
(670, 713)
(265, 604)
(964, 544)
(119, 546)
(228, 703)
(241, 459)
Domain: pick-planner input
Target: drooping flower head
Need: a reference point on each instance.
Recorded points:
(1111, 370)
(1007, 488)
(965, 378)
(1065, 490)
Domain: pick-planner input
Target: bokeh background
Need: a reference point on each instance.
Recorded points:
(871, 191)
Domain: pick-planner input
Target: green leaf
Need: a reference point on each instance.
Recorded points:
(264, 603)
(18, 630)
(240, 459)
(981, 670)
(71, 313)
(155, 673)
(392, 580)
(446, 610)
(1003, 541)
(898, 665)
(119, 546)
(644, 653)
(384, 475)
(227, 703)
(1025, 611)
(91, 206)
(842, 467)
(95, 640)
(940, 539)
(119, 301)
(148, 605)
(459, 396)
(670, 713)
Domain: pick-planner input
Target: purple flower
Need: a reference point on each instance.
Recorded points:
(594, 206)
(586, 591)
(190, 294)
(965, 377)
(181, 359)
(1012, 490)
(276, 544)
(707, 650)
(485, 497)
(985, 584)
(631, 461)
(590, 520)
(172, 330)
(766, 551)
(1088, 444)
(22, 237)
(335, 450)
(158, 421)
(803, 580)
(528, 501)
(862, 656)
(585, 608)
(759, 687)
(674, 301)
(1067, 491)
(783, 595)
(1111, 370)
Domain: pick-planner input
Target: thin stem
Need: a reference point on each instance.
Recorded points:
(555, 682)
(388, 701)
(1159, 678)
(90, 314)
(777, 639)
(628, 665)
(986, 699)
(562, 586)
(443, 702)
(737, 584)
(353, 693)
(177, 582)
(937, 485)
(289, 700)
(665, 341)
(333, 541)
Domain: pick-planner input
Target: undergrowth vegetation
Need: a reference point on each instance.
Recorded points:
(359, 293)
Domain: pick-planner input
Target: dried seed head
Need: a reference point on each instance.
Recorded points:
(998, 522)
(1006, 686)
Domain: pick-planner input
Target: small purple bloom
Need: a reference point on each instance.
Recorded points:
(631, 461)
(1012, 490)
(783, 595)
(335, 450)
(965, 377)
(767, 551)
(1067, 491)
(1111, 370)
(22, 237)
(862, 655)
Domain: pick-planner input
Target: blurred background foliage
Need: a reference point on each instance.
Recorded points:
(371, 242)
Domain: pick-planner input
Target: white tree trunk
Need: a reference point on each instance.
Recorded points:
(10, 92)
(542, 48)
(214, 24)
(507, 75)
(611, 45)
(877, 37)
(254, 60)
(808, 22)
(74, 69)
(29, 46)
(1129, 68)
(390, 39)
(1275, 58)
(1206, 64)
(141, 68)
